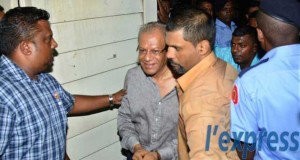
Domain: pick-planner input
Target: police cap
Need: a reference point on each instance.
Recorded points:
(287, 11)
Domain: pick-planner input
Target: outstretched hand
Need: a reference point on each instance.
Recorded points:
(117, 97)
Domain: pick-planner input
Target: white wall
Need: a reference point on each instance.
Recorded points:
(97, 42)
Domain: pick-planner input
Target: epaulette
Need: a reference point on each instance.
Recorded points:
(249, 68)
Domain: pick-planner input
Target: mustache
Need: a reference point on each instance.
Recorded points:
(172, 62)
(178, 69)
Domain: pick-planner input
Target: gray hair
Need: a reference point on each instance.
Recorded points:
(151, 26)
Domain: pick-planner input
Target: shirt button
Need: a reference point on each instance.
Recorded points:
(156, 119)
(159, 103)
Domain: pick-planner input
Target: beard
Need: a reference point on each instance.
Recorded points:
(49, 68)
(50, 65)
(178, 69)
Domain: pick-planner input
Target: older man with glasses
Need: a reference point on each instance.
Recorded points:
(147, 120)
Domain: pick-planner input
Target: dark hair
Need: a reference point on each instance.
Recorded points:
(19, 24)
(198, 2)
(246, 30)
(254, 3)
(219, 5)
(1, 9)
(196, 24)
(277, 32)
(253, 14)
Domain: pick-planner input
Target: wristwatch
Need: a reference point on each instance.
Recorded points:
(111, 103)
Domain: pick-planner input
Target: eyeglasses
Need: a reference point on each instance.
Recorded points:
(153, 52)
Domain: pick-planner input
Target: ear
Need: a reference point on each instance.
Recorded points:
(260, 35)
(203, 47)
(26, 47)
(255, 46)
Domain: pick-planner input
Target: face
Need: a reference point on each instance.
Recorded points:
(252, 22)
(243, 50)
(1, 14)
(252, 9)
(43, 45)
(207, 7)
(166, 4)
(225, 14)
(152, 52)
(261, 39)
(181, 53)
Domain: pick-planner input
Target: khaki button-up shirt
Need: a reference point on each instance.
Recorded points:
(204, 103)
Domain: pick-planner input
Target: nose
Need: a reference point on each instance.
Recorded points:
(148, 56)
(228, 12)
(169, 54)
(234, 48)
(54, 44)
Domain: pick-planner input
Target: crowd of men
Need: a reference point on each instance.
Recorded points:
(202, 89)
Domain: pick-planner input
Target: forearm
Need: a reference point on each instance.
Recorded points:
(126, 127)
(129, 140)
(86, 104)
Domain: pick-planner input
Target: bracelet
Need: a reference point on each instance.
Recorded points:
(111, 103)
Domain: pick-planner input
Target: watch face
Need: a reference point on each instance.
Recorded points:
(110, 98)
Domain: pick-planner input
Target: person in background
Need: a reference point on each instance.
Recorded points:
(206, 5)
(163, 10)
(148, 116)
(252, 19)
(265, 99)
(244, 47)
(204, 88)
(1, 12)
(253, 22)
(253, 6)
(33, 105)
(224, 28)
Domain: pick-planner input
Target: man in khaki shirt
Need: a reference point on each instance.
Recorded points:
(204, 87)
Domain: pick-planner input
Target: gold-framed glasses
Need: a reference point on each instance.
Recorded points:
(153, 51)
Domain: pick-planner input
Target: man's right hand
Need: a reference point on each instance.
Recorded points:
(139, 152)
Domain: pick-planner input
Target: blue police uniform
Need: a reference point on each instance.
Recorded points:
(265, 106)
(266, 103)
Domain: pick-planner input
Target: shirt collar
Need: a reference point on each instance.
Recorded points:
(220, 23)
(186, 79)
(287, 49)
(255, 60)
(13, 71)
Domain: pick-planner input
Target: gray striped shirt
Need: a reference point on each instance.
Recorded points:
(147, 119)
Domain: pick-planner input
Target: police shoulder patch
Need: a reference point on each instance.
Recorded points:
(235, 95)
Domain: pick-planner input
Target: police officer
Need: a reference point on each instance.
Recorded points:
(265, 106)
